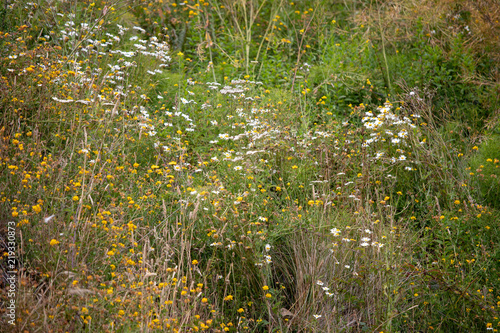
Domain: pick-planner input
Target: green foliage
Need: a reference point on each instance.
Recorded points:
(459, 252)
(251, 166)
(485, 165)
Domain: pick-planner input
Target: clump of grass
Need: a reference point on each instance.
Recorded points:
(484, 166)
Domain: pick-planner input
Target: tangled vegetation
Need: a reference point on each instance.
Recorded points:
(250, 165)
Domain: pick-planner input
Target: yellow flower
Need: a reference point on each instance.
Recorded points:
(76, 198)
(228, 298)
(265, 288)
(194, 262)
(54, 242)
(268, 295)
(37, 208)
(204, 300)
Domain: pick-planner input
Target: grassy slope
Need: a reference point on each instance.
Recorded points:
(344, 180)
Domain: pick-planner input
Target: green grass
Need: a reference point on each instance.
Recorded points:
(339, 174)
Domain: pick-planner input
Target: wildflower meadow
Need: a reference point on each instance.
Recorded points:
(250, 166)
